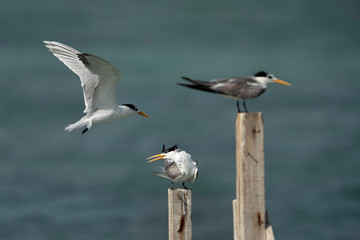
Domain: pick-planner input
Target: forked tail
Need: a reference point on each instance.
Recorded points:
(83, 122)
(198, 85)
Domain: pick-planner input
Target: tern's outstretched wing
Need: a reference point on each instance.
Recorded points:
(99, 79)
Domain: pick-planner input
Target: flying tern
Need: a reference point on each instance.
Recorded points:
(178, 165)
(99, 80)
(239, 88)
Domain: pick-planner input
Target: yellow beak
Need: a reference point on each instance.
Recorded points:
(156, 157)
(282, 82)
(143, 114)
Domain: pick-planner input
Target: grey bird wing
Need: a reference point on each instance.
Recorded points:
(230, 86)
(99, 79)
(240, 87)
(237, 87)
(172, 170)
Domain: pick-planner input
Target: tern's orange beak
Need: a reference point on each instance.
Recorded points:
(156, 157)
(143, 114)
(282, 82)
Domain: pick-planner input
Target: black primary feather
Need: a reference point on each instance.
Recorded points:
(198, 85)
(83, 59)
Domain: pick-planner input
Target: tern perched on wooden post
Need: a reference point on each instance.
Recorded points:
(178, 165)
(239, 88)
(99, 80)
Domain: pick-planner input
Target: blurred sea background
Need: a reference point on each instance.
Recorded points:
(58, 185)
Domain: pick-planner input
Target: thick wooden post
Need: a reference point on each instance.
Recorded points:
(269, 234)
(179, 201)
(249, 205)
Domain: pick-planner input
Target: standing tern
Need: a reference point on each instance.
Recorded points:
(99, 80)
(178, 165)
(236, 87)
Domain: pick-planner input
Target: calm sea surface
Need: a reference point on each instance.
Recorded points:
(58, 185)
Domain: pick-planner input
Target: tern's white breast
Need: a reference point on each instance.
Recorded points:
(101, 116)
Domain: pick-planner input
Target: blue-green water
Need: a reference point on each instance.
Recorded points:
(58, 185)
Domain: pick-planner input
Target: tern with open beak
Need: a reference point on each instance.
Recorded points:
(99, 80)
(178, 165)
(239, 88)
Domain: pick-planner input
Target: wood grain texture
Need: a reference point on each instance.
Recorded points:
(180, 226)
(236, 224)
(269, 234)
(250, 190)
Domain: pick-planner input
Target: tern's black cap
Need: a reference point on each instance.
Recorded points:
(131, 106)
(170, 149)
(261, 74)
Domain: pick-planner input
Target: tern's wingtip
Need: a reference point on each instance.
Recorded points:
(185, 78)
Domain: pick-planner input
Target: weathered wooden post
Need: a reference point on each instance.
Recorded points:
(249, 206)
(179, 201)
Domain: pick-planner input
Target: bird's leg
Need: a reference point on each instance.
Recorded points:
(245, 106)
(172, 185)
(238, 107)
(184, 185)
(84, 131)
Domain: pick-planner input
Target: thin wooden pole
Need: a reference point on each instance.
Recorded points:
(249, 205)
(269, 234)
(179, 201)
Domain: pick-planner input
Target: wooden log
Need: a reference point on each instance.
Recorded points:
(179, 201)
(269, 234)
(249, 209)
(236, 219)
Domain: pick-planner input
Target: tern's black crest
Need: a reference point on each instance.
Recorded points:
(131, 106)
(261, 74)
(170, 149)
